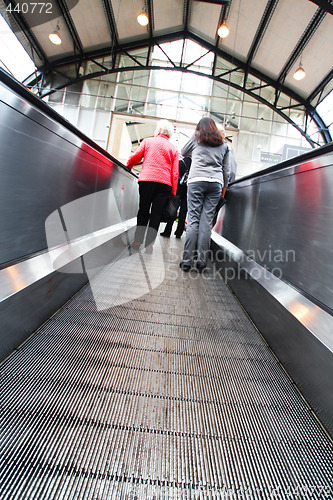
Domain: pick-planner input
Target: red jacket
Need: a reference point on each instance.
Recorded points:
(160, 161)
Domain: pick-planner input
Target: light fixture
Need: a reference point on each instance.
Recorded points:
(54, 37)
(142, 18)
(299, 73)
(223, 31)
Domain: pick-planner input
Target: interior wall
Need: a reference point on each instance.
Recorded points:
(119, 142)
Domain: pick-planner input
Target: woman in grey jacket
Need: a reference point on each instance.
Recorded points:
(207, 182)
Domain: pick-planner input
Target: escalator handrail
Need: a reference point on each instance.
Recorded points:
(38, 103)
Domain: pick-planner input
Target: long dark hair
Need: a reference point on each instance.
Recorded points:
(207, 133)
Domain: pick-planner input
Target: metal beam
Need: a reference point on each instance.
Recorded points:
(323, 128)
(223, 17)
(100, 65)
(263, 25)
(262, 28)
(312, 27)
(150, 11)
(225, 9)
(278, 86)
(225, 73)
(134, 59)
(149, 51)
(166, 55)
(314, 115)
(70, 25)
(197, 59)
(254, 71)
(186, 15)
(217, 2)
(27, 32)
(324, 4)
(178, 36)
(111, 22)
(105, 51)
(328, 78)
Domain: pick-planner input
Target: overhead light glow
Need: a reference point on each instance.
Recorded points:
(54, 37)
(223, 31)
(143, 19)
(299, 73)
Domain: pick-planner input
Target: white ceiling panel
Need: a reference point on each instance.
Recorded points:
(125, 13)
(42, 31)
(90, 18)
(317, 59)
(287, 25)
(168, 15)
(243, 22)
(42, 34)
(204, 19)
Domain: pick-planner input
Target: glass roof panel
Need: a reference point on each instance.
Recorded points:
(166, 80)
(171, 50)
(196, 84)
(325, 109)
(193, 51)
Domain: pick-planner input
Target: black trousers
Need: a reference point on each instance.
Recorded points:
(153, 196)
(182, 191)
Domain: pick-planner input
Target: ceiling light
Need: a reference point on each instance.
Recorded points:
(223, 31)
(299, 73)
(54, 37)
(143, 19)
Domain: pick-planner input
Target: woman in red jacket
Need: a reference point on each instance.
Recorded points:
(158, 180)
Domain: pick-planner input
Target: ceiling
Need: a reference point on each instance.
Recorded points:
(267, 37)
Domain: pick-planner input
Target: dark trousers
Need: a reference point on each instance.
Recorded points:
(182, 191)
(202, 198)
(153, 196)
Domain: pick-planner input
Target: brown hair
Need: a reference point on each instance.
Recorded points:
(207, 133)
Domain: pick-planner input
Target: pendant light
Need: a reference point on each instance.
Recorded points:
(142, 18)
(223, 31)
(54, 36)
(300, 72)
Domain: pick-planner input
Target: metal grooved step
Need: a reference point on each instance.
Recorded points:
(171, 395)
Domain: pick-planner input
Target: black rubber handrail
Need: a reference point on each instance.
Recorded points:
(38, 103)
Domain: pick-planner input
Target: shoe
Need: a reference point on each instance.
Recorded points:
(185, 267)
(200, 267)
(149, 249)
(178, 236)
(165, 235)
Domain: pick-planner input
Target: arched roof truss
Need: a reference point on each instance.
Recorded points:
(267, 39)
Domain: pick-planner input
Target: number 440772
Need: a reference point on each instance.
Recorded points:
(30, 8)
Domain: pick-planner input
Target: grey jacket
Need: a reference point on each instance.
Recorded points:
(232, 163)
(208, 161)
